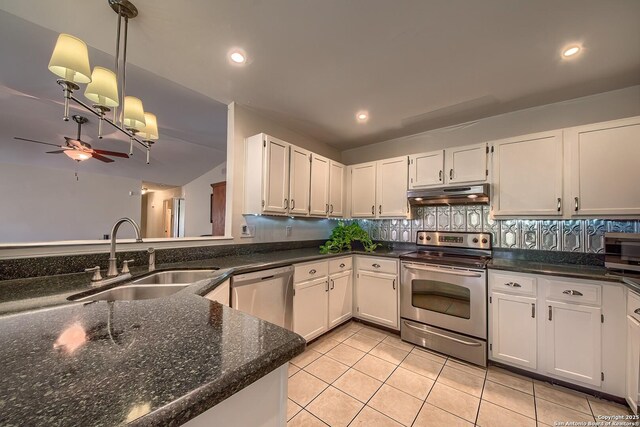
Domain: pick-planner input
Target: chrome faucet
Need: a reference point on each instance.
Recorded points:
(113, 266)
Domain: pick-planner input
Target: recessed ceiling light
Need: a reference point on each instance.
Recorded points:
(571, 51)
(237, 56)
(362, 116)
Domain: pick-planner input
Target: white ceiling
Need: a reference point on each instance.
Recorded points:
(414, 65)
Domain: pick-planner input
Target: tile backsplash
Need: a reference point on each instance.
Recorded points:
(584, 235)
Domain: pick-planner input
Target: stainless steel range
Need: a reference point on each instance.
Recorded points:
(443, 294)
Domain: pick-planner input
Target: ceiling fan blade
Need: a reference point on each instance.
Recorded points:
(101, 158)
(37, 142)
(111, 153)
(56, 152)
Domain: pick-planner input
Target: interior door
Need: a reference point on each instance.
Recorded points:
(276, 180)
(391, 187)
(466, 164)
(319, 197)
(426, 169)
(218, 207)
(300, 181)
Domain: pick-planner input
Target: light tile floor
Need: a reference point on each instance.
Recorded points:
(361, 376)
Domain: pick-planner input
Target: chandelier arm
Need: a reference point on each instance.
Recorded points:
(124, 68)
(115, 125)
(115, 109)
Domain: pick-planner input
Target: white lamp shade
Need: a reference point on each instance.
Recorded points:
(70, 59)
(103, 89)
(150, 131)
(133, 114)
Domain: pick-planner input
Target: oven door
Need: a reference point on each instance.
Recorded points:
(447, 297)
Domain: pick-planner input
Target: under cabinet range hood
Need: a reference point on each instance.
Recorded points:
(462, 195)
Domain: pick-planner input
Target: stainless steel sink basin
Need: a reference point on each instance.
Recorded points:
(134, 292)
(175, 277)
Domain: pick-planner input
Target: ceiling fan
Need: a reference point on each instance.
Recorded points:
(77, 149)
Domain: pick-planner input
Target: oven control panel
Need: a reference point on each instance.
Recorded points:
(454, 239)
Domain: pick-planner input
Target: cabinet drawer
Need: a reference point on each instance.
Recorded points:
(512, 283)
(633, 305)
(381, 265)
(310, 270)
(340, 264)
(581, 293)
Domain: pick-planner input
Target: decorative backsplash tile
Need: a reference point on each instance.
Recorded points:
(550, 235)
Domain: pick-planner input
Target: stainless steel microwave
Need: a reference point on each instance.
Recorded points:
(622, 251)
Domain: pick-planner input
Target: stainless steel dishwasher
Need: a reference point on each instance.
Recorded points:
(266, 294)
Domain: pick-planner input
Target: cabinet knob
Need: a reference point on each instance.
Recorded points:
(373, 210)
(572, 292)
(394, 284)
(312, 271)
(375, 265)
(550, 313)
(440, 175)
(637, 311)
(576, 204)
(533, 310)
(380, 210)
(559, 204)
(450, 174)
(331, 209)
(342, 265)
(513, 285)
(293, 204)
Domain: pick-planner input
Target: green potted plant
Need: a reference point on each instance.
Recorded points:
(343, 235)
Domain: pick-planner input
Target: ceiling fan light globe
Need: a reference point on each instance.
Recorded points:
(77, 155)
(70, 59)
(103, 88)
(133, 114)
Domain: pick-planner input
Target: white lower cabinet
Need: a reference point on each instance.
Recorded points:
(322, 296)
(311, 308)
(340, 297)
(377, 291)
(514, 345)
(632, 386)
(574, 341)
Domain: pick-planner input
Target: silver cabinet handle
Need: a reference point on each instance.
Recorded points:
(513, 285)
(533, 310)
(286, 204)
(572, 292)
(326, 208)
(473, 344)
(375, 265)
(559, 204)
(373, 210)
(443, 271)
(327, 283)
(342, 265)
(333, 284)
(550, 313)
(440, 175)
(576, 204)
(380, 210)
(312, 271)
(637, 311)
(331, 209)
(293, 204)
(394, 284)
(450, 174)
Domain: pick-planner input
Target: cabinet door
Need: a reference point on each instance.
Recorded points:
(377, 298)
(633, 363)
(392, 187)
(363, 190)
(336, 189)
(466, 164)
(513, 345)
(300, 177)
(426, 169)
(527, 175)
(276, 181)
(604, 168)
(574, 341)
(319, 186)
(310, 308)
(340, 297)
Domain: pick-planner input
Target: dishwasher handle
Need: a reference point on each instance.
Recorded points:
(259, 276)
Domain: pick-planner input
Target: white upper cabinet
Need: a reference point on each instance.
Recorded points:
(363, 190)
(453, 166)
(319, 185)
(466, 164)
(266, 184)
(605, 168)
(527, 175)
(426, 169)
(391, 194)
(300, 181)
(336, 189)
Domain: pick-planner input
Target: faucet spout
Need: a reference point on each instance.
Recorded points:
(113, 267)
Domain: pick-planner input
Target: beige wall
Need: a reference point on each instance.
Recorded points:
(197, 197)
(591, 109)
(244, 122)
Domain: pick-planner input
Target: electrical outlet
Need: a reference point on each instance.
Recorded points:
(248, 230)
(287, 230)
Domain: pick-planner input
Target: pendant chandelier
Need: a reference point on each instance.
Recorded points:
(105, 88)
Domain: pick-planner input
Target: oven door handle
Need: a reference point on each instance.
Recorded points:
(443, 271)
(469, 343)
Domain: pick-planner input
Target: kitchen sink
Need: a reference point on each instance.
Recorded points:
(134, 292)
(175, 277)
